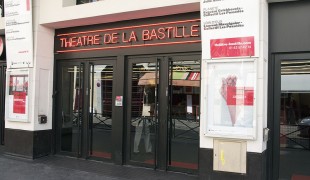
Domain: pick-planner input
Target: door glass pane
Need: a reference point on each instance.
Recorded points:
(295, 120)
(101, 82)
(2, 100)
(143, 112)
(183, 135)
(71, 108)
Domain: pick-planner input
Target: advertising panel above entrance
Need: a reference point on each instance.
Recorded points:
(153, 34)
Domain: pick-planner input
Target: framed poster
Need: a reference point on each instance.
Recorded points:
(17, 96)
(231, 89)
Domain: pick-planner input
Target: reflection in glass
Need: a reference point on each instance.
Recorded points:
(2, 101)
(71, 105)
(101, 81)
(184, 83)
(98, 109)
(295, 119)
(143, 116)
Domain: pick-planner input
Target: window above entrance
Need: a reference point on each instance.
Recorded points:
(85, 1)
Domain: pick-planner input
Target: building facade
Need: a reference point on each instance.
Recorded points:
(126, 83)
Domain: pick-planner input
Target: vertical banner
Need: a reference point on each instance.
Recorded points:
(18, 33)
(231, 99)
(229, 28)
(17, 96)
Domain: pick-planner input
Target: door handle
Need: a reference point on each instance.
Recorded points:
(54, 94)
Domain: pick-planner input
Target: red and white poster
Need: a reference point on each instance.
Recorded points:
(19, 102)
(231, 99)
(17, 97)
(18, 33)
(229, 28)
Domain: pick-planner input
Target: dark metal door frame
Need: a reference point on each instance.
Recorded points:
(2, 100)
(161, 156)
(58, 116)
(274, 94)
(172, 59)
(84, 142)
(128, 90)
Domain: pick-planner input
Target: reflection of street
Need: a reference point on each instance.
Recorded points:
(142, 141)
(185, 128)
(142, 127)
(101, 140)
(184, 143)
(290, 138)
(294, 162)
(101, 143)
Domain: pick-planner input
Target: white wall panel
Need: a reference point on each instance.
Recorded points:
(54, 14)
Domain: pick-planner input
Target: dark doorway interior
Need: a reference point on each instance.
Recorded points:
(291, 134)
(163, 113)
(2, 100)
(84, 108)
(295, 119)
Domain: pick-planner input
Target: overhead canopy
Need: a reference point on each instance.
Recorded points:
(179, 79)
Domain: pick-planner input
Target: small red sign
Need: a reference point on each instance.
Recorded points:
(19, 102)
(248, 96)
(232, 47)
(240, 96)
(231, 95)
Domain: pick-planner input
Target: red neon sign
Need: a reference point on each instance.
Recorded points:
(176, 32)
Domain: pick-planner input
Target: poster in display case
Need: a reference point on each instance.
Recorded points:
(231, 89)
(17, 96)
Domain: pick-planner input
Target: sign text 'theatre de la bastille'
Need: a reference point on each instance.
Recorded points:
(176, 32)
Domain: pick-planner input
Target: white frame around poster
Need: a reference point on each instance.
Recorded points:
(10, 115)
(220, 121)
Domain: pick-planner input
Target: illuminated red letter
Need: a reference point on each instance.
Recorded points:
(107, 39)
(96, 39)
(84, 40)
(176, 29)
(79, 42)
(63, 42)
(133, 36)
(169, 31)
(90, 40)
(114, 38)
(153, 34)
(184, 34)
(73, 41)
(161, 33)
(123, 37)
(194, 30)
(145, 35)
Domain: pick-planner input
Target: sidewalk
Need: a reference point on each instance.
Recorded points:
(66, 168)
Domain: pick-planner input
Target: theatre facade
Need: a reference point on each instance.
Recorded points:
(156, 87)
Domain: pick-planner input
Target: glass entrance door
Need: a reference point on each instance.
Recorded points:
(2, 100)
(294, 161)
(163, 112)
(84, 108)
(183, 121)
(70, 90)
(143, 78)
(100, 110)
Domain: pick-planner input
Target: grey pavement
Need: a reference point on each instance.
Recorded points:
(56, 167)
